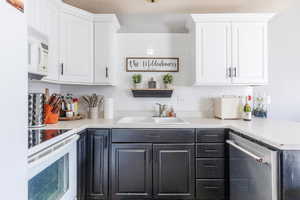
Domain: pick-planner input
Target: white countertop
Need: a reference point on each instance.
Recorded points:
(283, 135)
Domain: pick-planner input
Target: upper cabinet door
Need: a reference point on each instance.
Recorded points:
(52, 22)
(105, 49)
(213, 53)
(76, 38)
(31, 13)
(250, 53)
(36, 13)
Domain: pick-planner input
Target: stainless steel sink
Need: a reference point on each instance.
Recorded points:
(152, 120)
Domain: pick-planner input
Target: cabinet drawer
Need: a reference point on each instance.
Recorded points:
(210, 135)
(210, 189)
(153, 135)
(210, 168)
(210, 150)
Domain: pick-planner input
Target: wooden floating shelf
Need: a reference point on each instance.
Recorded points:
(148, 93)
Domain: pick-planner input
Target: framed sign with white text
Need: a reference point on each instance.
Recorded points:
(152, 64)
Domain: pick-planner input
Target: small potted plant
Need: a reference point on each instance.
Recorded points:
(137, 80)
(168, 80)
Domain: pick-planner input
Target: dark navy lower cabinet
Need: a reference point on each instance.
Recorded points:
(131, 171)
(174, 171)
(92, 165)
(211, 165)
(153, 164)
(97, 167)
(210, 189)
(81, 165)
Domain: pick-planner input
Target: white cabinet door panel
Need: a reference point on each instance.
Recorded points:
(213, 53)
(249, 53)
(52, 22)
(76, 49)
(105, 53)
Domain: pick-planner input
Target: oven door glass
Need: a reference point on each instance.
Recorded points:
(51, 183)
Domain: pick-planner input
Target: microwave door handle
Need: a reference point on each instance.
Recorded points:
(44, 155)
(39, 55)
(255, 157)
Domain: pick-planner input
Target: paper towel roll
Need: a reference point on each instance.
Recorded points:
(109, 108)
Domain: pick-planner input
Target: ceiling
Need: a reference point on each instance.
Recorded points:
(178, 6)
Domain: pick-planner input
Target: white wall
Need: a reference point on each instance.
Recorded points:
(13, 102)
(185, 97)
(284, 68)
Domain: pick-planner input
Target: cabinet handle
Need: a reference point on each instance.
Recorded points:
(39, 50)
(62, 68)
(229, 74)
(105, 141)
(211, 135)
(211, 188)
(210, 166)
(210, 150)
(106, 72)
(234, 69)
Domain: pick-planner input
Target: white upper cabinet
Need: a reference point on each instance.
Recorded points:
(36, 13)
(213, 59)
(249, 53)
(52, 20)
(105, 47)
(76, 49)
(230, 49)
(31, 10)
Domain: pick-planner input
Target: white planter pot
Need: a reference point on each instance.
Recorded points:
(137, 86)
(168, 86)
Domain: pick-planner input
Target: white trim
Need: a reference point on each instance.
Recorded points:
(107, 18)
(233, 17)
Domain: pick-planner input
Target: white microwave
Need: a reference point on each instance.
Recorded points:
(38, 52)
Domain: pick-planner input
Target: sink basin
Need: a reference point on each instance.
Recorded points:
(136, 120)
(152, 120)
(169, 120)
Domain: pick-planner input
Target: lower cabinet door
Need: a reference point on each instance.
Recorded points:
(131, 171)
(174, 171)
(97, 171)
(81, 166)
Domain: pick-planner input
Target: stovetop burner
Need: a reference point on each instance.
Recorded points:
(38, 136)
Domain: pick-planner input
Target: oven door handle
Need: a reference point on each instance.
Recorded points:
(51, 151)
(255, 157)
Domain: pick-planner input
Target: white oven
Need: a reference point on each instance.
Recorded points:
(52, 172)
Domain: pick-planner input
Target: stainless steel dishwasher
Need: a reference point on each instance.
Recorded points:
(253, 170)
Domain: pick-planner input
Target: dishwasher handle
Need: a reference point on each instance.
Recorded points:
(255, 157)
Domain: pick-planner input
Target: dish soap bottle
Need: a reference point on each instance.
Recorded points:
(247, 109)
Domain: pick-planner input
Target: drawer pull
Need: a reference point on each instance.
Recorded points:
(211, 135)
(210, 166)
(210, 150)
(153, 136)
(211, 188)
